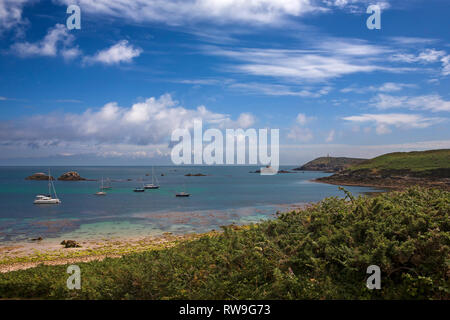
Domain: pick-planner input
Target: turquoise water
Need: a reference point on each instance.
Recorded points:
(226, 195)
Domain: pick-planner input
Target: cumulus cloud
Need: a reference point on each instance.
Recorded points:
(56, 41)
(116, 54)
(145, 123)
(383, 122)
(433, 102)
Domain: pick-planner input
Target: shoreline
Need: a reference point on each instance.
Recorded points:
(22, 255)
(27, 255)
(390, 185)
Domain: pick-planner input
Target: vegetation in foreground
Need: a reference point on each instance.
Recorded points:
(321, 252)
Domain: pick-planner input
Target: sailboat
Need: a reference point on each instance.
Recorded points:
(182, 193)
(152, 185)
(101, 193)
(108, 185)
(139, 189)
(48, 199)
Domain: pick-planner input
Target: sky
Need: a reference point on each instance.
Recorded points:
(112, 92)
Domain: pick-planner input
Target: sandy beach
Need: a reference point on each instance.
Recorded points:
(24, 255)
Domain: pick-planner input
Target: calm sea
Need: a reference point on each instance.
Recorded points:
(226, 195)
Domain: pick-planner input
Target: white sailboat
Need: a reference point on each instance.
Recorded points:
(152, 185)
(101, 192)
(48, 199)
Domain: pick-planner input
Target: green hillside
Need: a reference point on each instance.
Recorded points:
(331, 164)
(413, 161)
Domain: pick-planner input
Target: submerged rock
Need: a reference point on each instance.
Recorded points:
(195, 175)
(71, 176)
(39, 176)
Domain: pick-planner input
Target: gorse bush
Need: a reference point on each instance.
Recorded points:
(321, 252)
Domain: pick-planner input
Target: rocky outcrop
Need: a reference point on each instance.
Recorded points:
(71, 176)
(39, 176)
(392, 179)
(330, 164)
(70, 244)
(279, 171)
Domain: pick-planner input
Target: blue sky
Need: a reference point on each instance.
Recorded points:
(112, 92)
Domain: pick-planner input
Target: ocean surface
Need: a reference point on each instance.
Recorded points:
(226, 195)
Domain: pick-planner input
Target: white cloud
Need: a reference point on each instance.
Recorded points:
(178, 12)
(116, 54)
(383, 122)
(425, 57)
(11, 14)
(245, 120)
(145, 123)
(413, 40)
(280, 90)
(385, 87)
(297, 133)
(434, 102)
(330, 137)
(57, 40)
(301, 119)
(330, 61)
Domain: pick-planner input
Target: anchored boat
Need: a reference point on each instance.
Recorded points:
(152, 185)
(48, 199)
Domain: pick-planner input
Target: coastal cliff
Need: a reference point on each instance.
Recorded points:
(398, 170)
(330, 164)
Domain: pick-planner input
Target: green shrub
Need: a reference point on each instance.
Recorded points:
(321, 252)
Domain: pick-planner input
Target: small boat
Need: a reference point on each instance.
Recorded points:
(48, 199)
(108, 185)
(139, 189)
(101, 193)
(152, 185)
(182, 194)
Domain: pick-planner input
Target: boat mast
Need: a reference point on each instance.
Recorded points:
(49, 181)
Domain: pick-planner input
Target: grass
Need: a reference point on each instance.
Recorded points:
(321, 252)
(417, 161)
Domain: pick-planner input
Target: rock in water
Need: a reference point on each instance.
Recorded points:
(39, 176)
(71, 176)
(70, 244)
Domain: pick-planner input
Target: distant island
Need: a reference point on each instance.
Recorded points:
(398, 170)
(39, 176)
(329, 164)
(71, 176)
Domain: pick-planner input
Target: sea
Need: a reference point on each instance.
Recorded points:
(225, 195)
